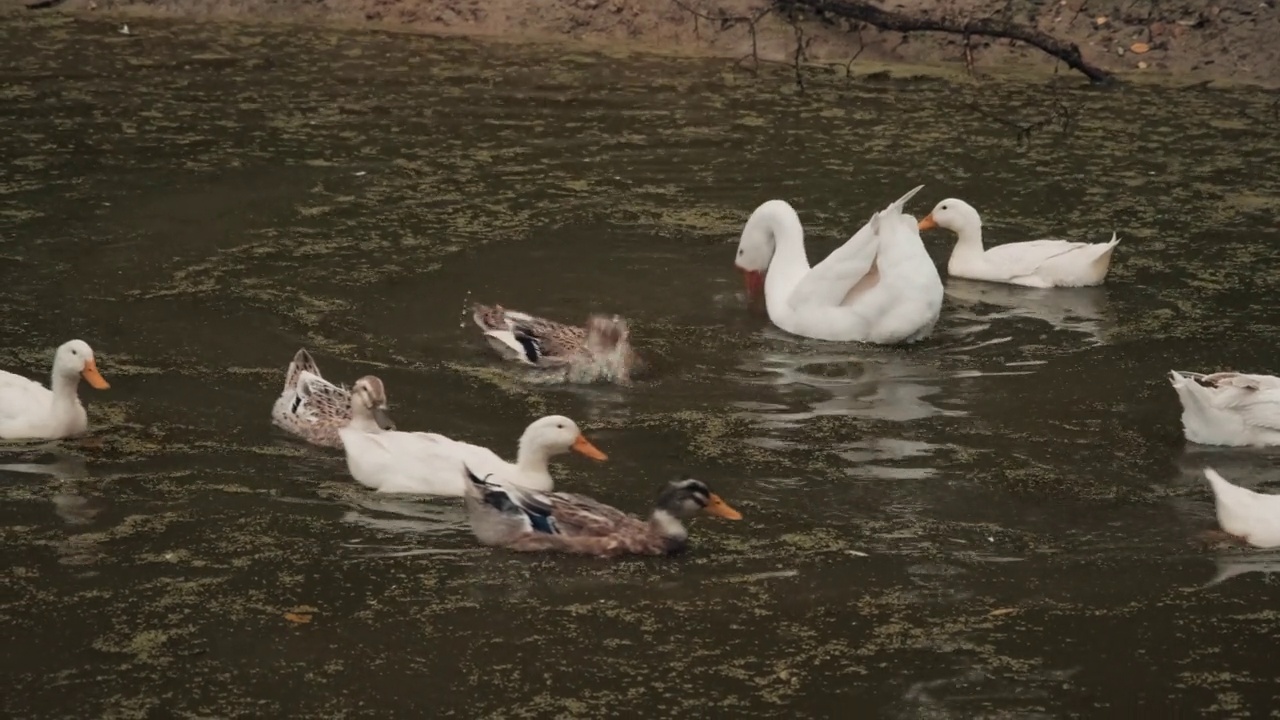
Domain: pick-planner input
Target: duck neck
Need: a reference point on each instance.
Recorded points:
(532, 459)
(64, 388)
(790, 262)
(968, 242)
(362, 420)
(668, 526)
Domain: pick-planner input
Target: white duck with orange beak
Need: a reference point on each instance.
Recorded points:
(29, 410)
(1035, 263)
(392, 461)
(880, 287)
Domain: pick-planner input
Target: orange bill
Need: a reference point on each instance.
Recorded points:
(927, 223)
(718, 507)
(583, 446)
(91, 374)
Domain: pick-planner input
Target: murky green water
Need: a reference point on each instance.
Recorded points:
(999, 522)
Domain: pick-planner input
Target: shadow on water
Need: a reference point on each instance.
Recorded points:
(997, 522)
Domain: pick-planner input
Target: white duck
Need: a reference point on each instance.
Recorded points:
(426, 463)
(879, 287)
(1229, 408)
(30, 410)
(1036, 263)
(1248, 515)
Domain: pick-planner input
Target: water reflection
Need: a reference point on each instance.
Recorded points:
(1080, 310)
(812, 381)
(963, 694)
(419, 521)
(1234, 564)
(70, 501)
(860, 383)
(867, 453)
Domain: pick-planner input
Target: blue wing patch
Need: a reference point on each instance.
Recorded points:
(535, 507)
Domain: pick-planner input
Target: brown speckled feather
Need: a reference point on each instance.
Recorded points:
(583, 526)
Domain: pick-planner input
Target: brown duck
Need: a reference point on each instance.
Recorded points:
(601, 350)
(521, 519)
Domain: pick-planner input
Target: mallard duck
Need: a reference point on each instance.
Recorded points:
(1229, 408)
(879, 287)
(29, 410)
(1036, 263)
(1249, 516)
(601, 350)
(431, 464)
(311, 407)
(521, 519)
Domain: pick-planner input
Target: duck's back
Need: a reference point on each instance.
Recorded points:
(1245, 513)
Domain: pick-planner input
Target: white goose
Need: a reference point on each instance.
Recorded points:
(1248, 515)
(426, 463)
(32, 411)
(1229, 408)
(879, 287)
(1036, 263)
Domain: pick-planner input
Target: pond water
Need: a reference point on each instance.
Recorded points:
(1000, 521)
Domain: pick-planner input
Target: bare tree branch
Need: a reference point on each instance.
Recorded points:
(727, 21)
(859, 10)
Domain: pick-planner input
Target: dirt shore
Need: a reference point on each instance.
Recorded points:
(1227, 41)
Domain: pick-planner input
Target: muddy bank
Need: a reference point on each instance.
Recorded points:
(1225, 41)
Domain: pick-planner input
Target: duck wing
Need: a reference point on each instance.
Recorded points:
(849, 269)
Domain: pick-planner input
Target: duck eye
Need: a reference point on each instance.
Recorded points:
(74, 352)
(944, 207)
(559, 426)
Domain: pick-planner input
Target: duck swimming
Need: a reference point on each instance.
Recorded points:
(520, 519)
(1035, 263)
(879, 287)
(600, 350)
(311, 407)
(29, 410)
(384, 459)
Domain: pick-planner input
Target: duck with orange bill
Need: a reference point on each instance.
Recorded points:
(29, 410)
(1035, 263)
(388, 460)
(879, 287)
(520, 519)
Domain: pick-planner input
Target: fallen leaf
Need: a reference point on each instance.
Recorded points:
(1102, 20)
(300, 618)
(1001, 611)
(1142, 65)
(1139, 48)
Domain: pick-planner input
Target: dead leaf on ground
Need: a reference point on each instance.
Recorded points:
(301, 614)
(1001, 611)
(1139, 48)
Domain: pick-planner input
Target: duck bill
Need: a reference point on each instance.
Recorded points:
(754, 281)
(92, 376)
(927, 223)
(583, 446)
(718, 507)
(383, 420)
